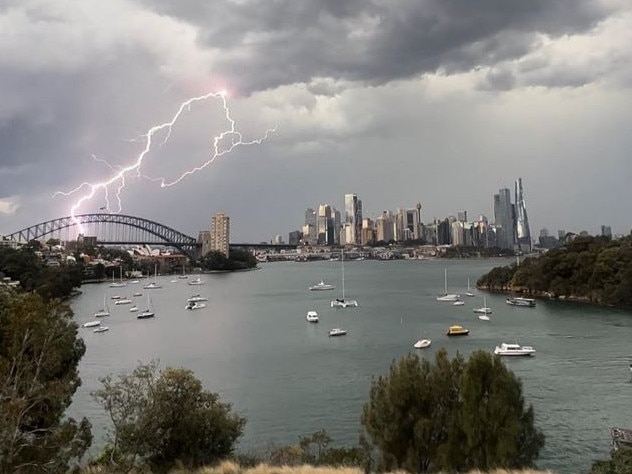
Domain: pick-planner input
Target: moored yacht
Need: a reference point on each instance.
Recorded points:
(422, 343)
(335, 332)
(195, 305)
(196, 281)
(312, 317)
(91, 324)
(456, 330)
(520, 301)
(196, 298)
(321, 286)
(513, 350)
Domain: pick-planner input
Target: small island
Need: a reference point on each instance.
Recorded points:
(216, 261)
(588, 269)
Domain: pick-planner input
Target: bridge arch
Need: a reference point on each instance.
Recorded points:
(155, 233)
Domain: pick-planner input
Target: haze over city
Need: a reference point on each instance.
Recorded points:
(438, 102)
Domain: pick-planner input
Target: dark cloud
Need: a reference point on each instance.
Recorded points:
(289, 41)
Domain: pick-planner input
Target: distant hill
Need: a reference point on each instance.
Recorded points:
(590, 269)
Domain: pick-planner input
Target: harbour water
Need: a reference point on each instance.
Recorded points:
(253, 345)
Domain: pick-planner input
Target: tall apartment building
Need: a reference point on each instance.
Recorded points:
(523, 234)
(504, 218)
(220, 232)
(325, 225)
(353, 218)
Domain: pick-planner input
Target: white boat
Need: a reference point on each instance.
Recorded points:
(335, 332)
(513, 350)
(123, 301)
(101, 329)
(484, 309)
(148, 313)
(447, 296)
(196, 281)
(91, 324)
(322, 286)
(519, 301)
(312, 316)
(173, 281)
(195, 305)
(458, 303)
(483, 317)
(120, 283)
(154, 284)
(342, 302)
(115, 297)
(183, 276)
(103, 312)
(196, 298)
(133, 309)
(468, 292)
(135, 282)
(137, 294)
(422, 343)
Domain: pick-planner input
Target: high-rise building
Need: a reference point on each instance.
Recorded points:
(220, 232)
(504, 219)
(310, 233)
(384, 227)
(606, 231)
(523, 234)
(325, 225)
(353, 217)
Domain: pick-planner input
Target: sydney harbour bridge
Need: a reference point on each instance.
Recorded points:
(118, 229)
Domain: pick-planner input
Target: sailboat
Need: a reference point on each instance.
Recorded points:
(104, 311)
(447, 296)
(422, 343)
(484, 309)
(154, 284)
(120, 283)
(148, 313)
(468, 292)
(183, 276)
(342, 302)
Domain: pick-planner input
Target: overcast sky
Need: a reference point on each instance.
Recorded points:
(441, 102)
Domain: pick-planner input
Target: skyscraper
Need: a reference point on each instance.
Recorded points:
(523, 234)
(353, 217)
(220, 232)
(504, 218)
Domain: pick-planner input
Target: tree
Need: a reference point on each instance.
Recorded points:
(450, 415)
(620, 462)
(39, 354)
(161, 418)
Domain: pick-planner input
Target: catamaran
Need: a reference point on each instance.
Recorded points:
(447, 296)
(342, 302)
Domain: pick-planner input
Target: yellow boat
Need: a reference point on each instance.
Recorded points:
(457, 330)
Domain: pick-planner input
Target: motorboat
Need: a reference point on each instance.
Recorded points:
(458, 303)
(133, 309)
(483, 317)
(135, 282)
(196, 281)
(321, 286)
(174, 281)
(484, 309)
(447, 296)
(456, 330)
(195, 305)
(520, 301)
(123, 301)
(137, 294)
(422, 343)
(312, 316)
(115, 297)
(91, 324)
(101, 329)
(337, 332)
(342, 302)
(196, 298)
(513, 350)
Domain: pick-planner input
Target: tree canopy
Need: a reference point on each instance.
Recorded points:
(450, 415)
(594, 269)
(160, 418)
(237, 260)
(39, 354)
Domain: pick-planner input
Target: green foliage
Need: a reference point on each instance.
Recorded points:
(166, 418)
(450, 415)
(593, 269)
(25, 266)
(237, 260)
(315, 449)
(620, 462)
(39, 354)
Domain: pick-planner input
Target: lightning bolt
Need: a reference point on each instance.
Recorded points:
(222, 144)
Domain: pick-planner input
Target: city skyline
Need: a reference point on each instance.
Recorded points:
(400, 102)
